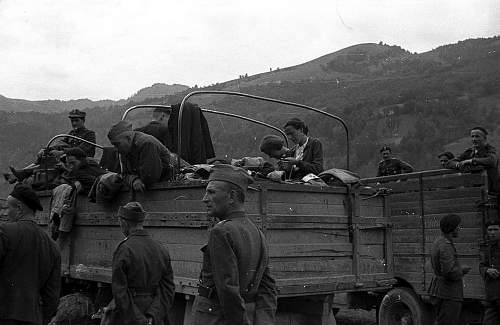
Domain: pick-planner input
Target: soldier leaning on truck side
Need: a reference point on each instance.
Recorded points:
(446, 287)
(235, 283)
(480, 155)
(144, 159)
(142, 278)
(489, 268)
(30, 263)
(390, 165)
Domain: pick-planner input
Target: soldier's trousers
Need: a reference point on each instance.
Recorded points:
(447, 312)
(209, 312)
(492, 313)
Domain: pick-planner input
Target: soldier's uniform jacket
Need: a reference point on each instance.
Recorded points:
(85, 134)
(148, 160)
(235, 249)
(30, 273)
(490, 258)
(393, 166)
(484, 157)
(447, 282)
(86, 174)
(142, 281)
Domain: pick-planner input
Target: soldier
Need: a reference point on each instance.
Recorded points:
(235, 283)
(142, 279)
(446, 287)
(390, 165)
(77, 119)
(489, 267)
(158, 127)
(82, 171)
(30, 263)
(445, 157)
(144, 159)
(481, 155)
(274, 147)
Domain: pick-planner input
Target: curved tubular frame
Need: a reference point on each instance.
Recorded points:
(232, 93)
(73, 137)
(124, 116)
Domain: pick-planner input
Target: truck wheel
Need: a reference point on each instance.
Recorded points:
(402, 306)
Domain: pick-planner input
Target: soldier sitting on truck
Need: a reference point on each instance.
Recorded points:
(144, 159)
(158, 127)
(81, 170)
(390, 165)
(444, 158)
(489, 268)
(447, 287)
(77, 119)
(480, 156)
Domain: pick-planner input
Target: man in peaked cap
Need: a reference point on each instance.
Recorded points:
(30, 263)
(481, 155)
(77, 119)
(446, 287)
(390, 165)
(142, 278)
(235, 283)
(144, 158)
(158, 127)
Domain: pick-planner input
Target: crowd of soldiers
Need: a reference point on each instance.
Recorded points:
(235, 284)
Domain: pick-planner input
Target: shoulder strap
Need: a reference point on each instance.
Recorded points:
(254, 285)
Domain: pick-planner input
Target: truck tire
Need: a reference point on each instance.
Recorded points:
(402, 306)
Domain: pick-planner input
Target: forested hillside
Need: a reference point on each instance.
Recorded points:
(420, 104)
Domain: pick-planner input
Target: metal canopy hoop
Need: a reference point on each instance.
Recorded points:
(232, 93)
(73, 137)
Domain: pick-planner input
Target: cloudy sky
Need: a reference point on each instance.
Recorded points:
(97, 49)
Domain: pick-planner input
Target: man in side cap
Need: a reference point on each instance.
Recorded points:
(144, 158)
(446, 287)
(30, 263)
(390, 165)
(235, 283)
(142, 279)
(481, 155)
(158, 127)
(489, 268)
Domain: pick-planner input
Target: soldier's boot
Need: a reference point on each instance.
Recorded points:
(22, 174)
(10, 178)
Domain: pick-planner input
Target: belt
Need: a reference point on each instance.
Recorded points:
(142, 292)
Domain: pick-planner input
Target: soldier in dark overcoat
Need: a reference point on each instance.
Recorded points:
(77, 119)
(446, 287)
(489, 268)
(30, 263)
(158, 127)
(235, 283)
(142, 279)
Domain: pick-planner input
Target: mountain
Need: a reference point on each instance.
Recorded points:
(419, 104)
(157, 90)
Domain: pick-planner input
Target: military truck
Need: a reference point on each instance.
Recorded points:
(323, 240)
(415, 205)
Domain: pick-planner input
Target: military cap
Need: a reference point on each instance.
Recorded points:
(492, 222)
(447, 154)
(26, 195)
(119, 128)
(132, 211)
(76, 151)
(76, 113)
(449, 222)
(166, 110)
(231, 174)
(480, 128)
(384, 148)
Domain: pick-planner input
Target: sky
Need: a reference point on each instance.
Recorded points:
(109, 49)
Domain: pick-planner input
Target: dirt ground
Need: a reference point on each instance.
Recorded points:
(356, 317)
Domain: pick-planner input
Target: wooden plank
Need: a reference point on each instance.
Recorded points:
(294, 208)
(334, 219)
(308, 236)
(310, 267)
(299, 250)
(465, 192)
(409, 235)
(276, 196)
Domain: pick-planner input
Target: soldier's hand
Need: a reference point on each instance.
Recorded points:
(150, 321)
(138, 185)
(465, 269)
(78, 186)
(492, 273)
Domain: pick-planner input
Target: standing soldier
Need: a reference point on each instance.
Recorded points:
(158, 127)
(30, 263)
(447, 287)
(142, 278)
(235, 285)
(490, 271)
(390, 165)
